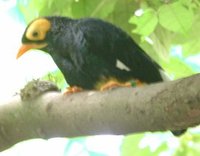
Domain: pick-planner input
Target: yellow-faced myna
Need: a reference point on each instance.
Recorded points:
(91, 53)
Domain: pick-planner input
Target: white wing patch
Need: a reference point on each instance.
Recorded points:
(122, 66)
(164, 75)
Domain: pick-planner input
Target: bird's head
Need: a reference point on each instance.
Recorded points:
(35, 35)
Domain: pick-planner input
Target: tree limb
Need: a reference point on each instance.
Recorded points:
(158, 107)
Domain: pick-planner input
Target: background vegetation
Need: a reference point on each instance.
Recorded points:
(168, 30)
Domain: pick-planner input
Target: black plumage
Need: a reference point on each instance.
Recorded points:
(88, 52)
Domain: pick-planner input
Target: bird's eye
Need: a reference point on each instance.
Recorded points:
(38, 29)
(35, 34)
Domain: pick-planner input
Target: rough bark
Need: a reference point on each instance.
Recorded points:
(158, 107)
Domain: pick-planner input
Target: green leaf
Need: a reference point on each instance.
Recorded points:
(94, 8)
(35, 8)
(28, 9)
(175, 17)
(130, 146)
(192, 47)
(189, 145)
(146, 23)
(177, 68)
(59, 7)
(56, 77)
(161, 43)
(121, 14)
(163, 147)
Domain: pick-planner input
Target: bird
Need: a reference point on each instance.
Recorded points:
(92, 54)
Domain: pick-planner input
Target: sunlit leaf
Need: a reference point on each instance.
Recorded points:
(131, 147)
(189, 145)
(161, 39)
(175, 17)
(56, 77)
(177, 68)
(94, 8)
(121, 13)
(192, 47)
(146, 23)
(35, 8)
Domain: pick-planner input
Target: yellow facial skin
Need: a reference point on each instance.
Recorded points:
(36, 31)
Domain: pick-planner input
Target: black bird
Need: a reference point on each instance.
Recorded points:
(91, 53)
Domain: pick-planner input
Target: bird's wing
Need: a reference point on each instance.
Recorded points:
(142, 66)
(113, 45)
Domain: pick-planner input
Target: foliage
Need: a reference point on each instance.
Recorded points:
(189, 145)
(56, 77)
(168, 30)
(138, 145)
(158, 26)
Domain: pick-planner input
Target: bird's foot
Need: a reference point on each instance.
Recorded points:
(114, 84)
(136, 83)
(73, 89)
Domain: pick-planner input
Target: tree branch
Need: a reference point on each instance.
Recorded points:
(158, 107)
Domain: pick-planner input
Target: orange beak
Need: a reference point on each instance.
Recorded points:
(26, 47)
